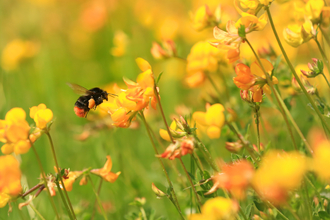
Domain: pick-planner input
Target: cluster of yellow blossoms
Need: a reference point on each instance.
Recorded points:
(136, 97)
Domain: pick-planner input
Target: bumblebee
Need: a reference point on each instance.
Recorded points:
(89, 99)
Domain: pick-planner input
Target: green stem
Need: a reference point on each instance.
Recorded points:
(97, 198)
(144, 216)
(293, 212)
(206, 153)
(63, 200)
(98, 193)
(295, 125)
(325, 59)
(176, 203)
(270, 83)
(294, 72)
(270, 204)
(243, 214)
(36, 211)
(191, 182)
(59, 173)
(215, 88)
(306, 200)
(45, 180)
(162, 112)
(257, 113)
(325, 36)
(326, 79)
(244, 142)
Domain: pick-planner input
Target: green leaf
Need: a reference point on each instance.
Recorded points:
(241, 31)
(323, 215)
(259, 205)
(248, 210)
(159, 76)
(276, 64)
(287, 102)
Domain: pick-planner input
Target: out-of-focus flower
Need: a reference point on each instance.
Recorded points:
(202, 59)
(166, 50)
(204, 18)
(250, 4)
(217, 208)
(14, 132)
(120, 42)
(228, 41)
(93, 16)
(234, 147)
(234, 177)
(15, 52)
(157, 191)
(278, 173)
(303, 78)
(41, 115)
(320, 161)
(213, 119)
(105, 171)
(253, 78)
(10, 179)
(178, 149)
(295, 34)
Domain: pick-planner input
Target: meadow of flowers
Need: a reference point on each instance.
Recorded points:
(216, 109)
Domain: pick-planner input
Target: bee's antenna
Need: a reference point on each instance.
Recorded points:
(112, 95)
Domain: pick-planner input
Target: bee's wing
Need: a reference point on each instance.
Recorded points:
(79, 89)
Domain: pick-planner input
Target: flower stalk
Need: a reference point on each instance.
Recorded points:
(294, 72)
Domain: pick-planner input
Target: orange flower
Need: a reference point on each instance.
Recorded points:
(253, 78)
(321, 162)
(10, 179)
(180, 148)
(235, 178)
(105, 172)
(70, 179)
(167, 49)
(14, 132)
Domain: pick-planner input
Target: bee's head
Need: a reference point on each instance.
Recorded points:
(105, 95)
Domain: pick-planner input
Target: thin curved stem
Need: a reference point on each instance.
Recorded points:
(59, 173)
(270, 83)
(192, 184)
(97, 198)
(294, 72)
(45, 180)
(325, 58)
(175, 200)
(63, 199)
(206, 153)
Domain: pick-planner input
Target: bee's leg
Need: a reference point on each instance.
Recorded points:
(86, 114)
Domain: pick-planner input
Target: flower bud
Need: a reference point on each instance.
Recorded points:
(166, 50)
(234, 147)
(315, 68)
(157, 191)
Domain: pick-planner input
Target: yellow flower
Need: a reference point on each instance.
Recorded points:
(250, 4)
(41, 115)
(15, 52)
(213, 119)
(295, 34)
(120, 42)
(217, 208)
(10, 179)
(204, 18)
(105, 172)
(203, 58)
(14, 132)
(320, 161)
(278, 173)
(70, 179)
